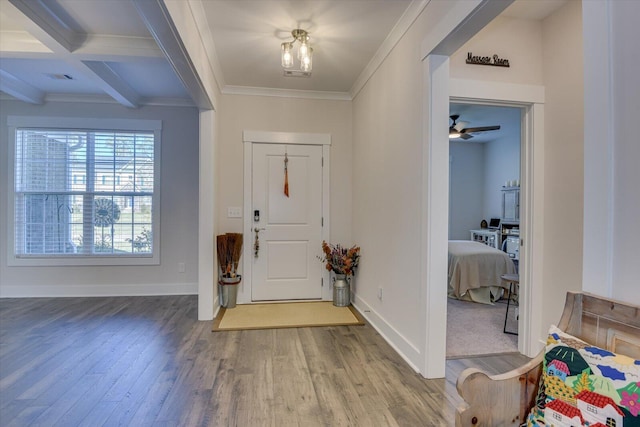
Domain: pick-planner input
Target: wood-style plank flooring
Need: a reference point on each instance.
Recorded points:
(148, 361)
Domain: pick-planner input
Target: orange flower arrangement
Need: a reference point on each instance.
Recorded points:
(339, 259)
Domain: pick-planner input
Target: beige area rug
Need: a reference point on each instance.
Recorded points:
(285, 315)
(477, 329)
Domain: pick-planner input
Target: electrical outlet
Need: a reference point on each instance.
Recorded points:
(234, 212)
(181, 267)
(380, 293)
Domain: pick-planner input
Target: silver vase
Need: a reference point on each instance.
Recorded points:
(341, 291)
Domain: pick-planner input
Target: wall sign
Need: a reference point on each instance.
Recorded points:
(494, 60)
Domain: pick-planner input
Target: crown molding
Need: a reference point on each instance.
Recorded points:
(402, 26)
(286, 93)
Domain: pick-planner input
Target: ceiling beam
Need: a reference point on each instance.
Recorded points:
(484, 13)
(158, 21)
(19, 89)
(56, 30)
(113, 84)
(52, 31)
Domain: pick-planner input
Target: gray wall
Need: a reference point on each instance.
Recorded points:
(178, 212)
(477, 173)
(466, 188)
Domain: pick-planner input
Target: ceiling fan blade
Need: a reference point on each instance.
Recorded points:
(465, 136)
(480, 129)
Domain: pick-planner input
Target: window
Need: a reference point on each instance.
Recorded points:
(69, 203)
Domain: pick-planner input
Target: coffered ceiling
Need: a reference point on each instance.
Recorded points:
(106, 50)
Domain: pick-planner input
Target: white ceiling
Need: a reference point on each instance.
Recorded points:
(107, 50)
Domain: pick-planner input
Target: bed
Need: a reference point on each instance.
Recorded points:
(475, 270)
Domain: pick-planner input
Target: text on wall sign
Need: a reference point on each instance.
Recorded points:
(494, 60)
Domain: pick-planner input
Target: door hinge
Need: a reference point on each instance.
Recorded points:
(322, 162)
(322, 222)
(322, 282)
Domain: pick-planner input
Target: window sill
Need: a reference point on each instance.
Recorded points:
(82, 261)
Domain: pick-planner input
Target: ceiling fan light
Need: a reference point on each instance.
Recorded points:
(454, 135)
(287, 57)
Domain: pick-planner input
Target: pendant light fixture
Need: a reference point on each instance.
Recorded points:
(305, 52)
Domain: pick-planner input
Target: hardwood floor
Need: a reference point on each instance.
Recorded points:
(147, 361)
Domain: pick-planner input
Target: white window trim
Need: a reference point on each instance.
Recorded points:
(14, 122)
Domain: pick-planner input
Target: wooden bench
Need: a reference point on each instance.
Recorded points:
(506, 399)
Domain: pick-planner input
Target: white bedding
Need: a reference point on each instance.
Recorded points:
(475, 270)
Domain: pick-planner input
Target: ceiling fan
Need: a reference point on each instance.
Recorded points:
(460, 129)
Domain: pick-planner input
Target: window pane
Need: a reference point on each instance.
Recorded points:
(43, 224)
(83, 192)
(104, 170)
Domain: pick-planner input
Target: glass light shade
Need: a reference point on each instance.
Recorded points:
(287, 57)
(454, 135)
(303, 50)
(306, 63)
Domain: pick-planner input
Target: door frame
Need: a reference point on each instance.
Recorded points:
(440, 89)
(250, 137)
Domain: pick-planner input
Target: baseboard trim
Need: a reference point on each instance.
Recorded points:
(396, 340)
(112, 290)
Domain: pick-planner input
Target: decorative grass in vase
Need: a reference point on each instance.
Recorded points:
(339, 259)
(229, 248)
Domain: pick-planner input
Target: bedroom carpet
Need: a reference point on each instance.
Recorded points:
(476, 329)
(285, 315)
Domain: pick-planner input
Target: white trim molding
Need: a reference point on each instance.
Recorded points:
(286, 93)
(44, 290)
(395, 339)
(531, 100)
(207, 270)
(286, 137)
(435, 207)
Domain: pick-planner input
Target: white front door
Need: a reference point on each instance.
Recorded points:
(288, 228)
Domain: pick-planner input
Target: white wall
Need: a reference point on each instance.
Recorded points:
(387, 172)
(564, 154)
(625, 60)
(264, 113)
(518, 40)
(387, 191)
(612, 152)
(178, 212)
(547, 52)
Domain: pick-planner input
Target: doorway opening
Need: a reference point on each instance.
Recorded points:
(484, 222)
